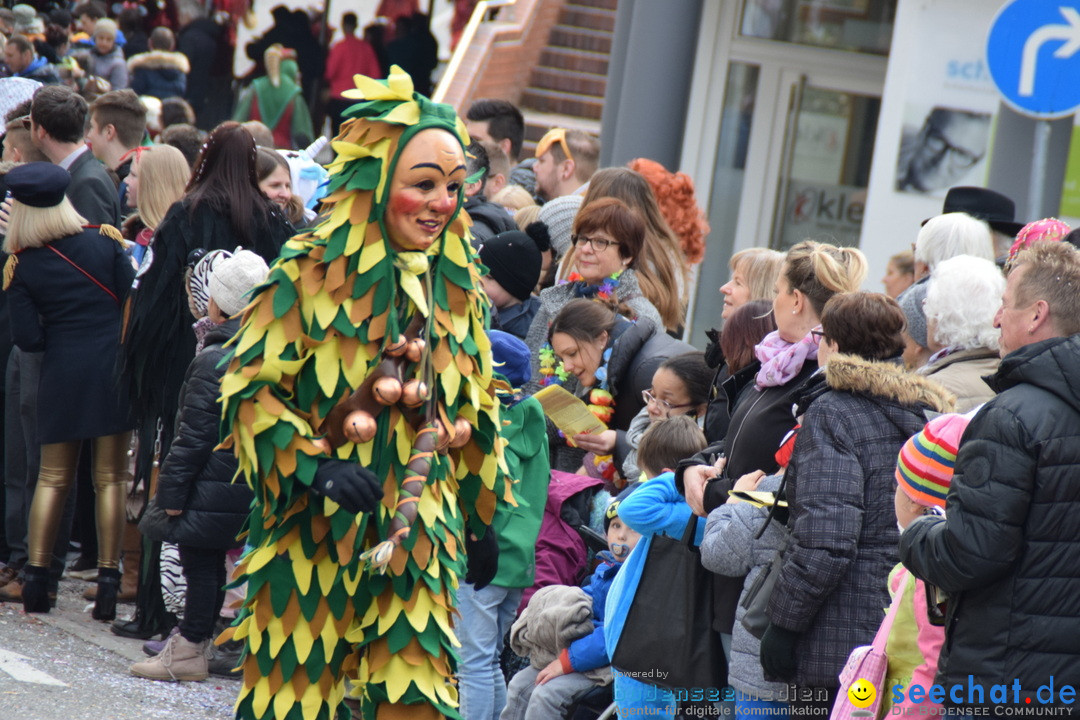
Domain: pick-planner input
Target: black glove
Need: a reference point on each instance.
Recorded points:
(714, 354)
(351, 486)
(778, 652)
(482, 557)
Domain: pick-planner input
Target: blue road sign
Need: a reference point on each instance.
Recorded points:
(1033, 52)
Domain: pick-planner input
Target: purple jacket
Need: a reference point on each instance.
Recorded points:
(560, 551)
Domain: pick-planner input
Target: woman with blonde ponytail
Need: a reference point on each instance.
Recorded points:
(812, 274)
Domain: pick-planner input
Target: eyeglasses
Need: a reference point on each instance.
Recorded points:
(819, 335)
(649, 398)
(599, 245)
(555, 135)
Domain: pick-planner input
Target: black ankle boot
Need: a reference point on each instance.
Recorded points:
(108, 585)
(35, 591)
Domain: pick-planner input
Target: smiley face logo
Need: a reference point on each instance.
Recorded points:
(861, 693)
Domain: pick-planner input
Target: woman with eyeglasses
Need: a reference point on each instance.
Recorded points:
(839, 486)
(680, 386)
(607, 239)
(812, 273)
(615, 362)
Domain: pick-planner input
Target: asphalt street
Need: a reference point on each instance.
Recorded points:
(67, 666)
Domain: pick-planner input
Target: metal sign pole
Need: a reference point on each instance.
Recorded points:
(1037, 183)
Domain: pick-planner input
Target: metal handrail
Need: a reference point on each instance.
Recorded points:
(464, 42)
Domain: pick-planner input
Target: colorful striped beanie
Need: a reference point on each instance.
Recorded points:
(924, 468)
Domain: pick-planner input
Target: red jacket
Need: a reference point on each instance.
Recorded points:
(349, 57)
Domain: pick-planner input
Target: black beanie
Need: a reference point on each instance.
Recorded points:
(514, 262)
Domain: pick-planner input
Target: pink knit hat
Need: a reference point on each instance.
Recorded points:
(924, 468)
(1047, 229)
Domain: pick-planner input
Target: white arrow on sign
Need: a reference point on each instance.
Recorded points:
(19, 668)
(1069, 33)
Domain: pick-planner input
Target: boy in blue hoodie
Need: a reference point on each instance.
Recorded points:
(542, 694)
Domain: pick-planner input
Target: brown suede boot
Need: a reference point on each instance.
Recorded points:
(181, 659)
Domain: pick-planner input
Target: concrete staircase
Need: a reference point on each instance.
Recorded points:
(566, 88)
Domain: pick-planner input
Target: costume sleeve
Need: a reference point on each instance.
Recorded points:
(828, 517)
(982, 533)
(26, 330)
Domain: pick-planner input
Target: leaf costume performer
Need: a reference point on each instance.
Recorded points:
(369, 338)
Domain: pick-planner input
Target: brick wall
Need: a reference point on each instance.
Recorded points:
(503, 53)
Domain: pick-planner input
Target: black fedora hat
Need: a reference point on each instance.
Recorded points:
(996, 210)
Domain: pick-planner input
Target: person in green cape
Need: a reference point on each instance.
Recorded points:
(277, 101)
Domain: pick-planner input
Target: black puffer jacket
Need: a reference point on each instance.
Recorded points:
(1008, 550)
(840, 492)
(195, 477)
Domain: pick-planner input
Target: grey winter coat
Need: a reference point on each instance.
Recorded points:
(840, 490)
(1008, 549)
(731, 547)
(111, 66)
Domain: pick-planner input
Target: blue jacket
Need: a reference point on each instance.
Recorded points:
(655, 508)
(589, 652)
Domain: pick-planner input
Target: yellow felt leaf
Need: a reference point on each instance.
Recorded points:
(326, 366)
(327, 572)
(428, 507)
(355, 240)
(311, 702)
(455, 252)
(261, 700)
(325, 308)
(371, 256)
(404, 114)
(275, 632)
(284, 700)
(259, 558)
(411, 285)
(399, 87)
(302, 641)
(451, 381)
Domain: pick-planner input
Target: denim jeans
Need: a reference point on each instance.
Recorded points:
(486, 616)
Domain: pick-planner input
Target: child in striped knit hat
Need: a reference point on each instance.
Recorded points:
(924, 471)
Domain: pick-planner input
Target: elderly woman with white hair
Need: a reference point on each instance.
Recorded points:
(962, 297)
(940, 238)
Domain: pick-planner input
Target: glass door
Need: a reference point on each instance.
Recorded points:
(825, 168)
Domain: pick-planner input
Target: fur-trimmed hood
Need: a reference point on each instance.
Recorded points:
(159, 60)
(853, 374)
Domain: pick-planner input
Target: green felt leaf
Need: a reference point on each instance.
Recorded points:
(366, 174)
(284, 297)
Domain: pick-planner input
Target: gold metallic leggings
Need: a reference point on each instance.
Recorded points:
(58, 462)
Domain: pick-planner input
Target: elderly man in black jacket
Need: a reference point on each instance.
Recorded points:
(1007, 551)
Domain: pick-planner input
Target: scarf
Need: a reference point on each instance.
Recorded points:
(781, 360)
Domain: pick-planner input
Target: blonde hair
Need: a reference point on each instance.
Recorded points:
(163, 175)
(760, 267)
(819, 271)
(514, 197)
(34, 227)
(526, 216)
